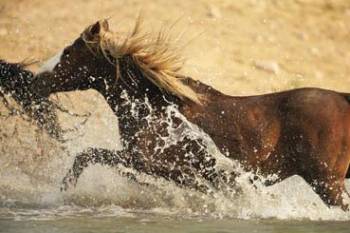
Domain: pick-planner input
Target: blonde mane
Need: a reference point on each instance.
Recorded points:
(155, 55)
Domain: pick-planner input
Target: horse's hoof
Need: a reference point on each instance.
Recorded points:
(345, 207)
(64, 186)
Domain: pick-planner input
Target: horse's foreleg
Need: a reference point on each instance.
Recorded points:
(95, 156)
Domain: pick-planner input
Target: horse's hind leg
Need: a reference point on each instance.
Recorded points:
(95, 156)
(330, 190)
(327, 182)
(327, 176)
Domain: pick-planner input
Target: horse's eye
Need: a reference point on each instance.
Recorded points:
(66, 52)
(79, 42)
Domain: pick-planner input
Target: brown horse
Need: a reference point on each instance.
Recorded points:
(16, 82)
(303, 132)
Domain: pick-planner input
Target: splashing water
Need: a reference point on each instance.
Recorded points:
(29, 184)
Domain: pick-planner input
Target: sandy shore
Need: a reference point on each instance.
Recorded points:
(240, 47)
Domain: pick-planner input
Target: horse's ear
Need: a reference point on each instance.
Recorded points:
(104, 24)
(98, 27)
(95, 29)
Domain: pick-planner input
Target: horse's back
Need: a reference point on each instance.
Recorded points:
(315, 109)
(314, 97)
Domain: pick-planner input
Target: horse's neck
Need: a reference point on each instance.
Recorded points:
(200, 88)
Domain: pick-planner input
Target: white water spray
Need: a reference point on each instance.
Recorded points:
(29, 184)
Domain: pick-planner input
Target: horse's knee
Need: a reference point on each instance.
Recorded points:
(92, 155)
(84, 158)
(90, 152)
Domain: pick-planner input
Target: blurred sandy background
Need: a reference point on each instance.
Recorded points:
(241, 47)
(244, 47)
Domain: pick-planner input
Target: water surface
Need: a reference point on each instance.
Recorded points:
(153, 224)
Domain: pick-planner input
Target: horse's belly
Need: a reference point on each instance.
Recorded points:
(256, 145)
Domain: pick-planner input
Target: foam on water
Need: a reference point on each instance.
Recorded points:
(30, 190)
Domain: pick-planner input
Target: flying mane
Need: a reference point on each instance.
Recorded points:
(155, 55)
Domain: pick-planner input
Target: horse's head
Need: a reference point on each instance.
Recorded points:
(110, 62)
(80, 66)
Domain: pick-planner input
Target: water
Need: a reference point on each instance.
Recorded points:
(32, 168)
(155, 224)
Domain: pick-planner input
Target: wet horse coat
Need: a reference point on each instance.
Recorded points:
(303, 132)
(16, 82)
